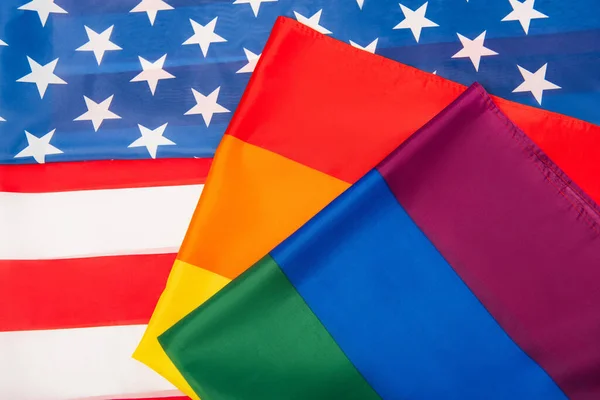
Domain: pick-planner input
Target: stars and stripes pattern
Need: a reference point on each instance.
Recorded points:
(85, 248)
(95, 72)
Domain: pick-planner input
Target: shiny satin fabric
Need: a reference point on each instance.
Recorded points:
(430, 274)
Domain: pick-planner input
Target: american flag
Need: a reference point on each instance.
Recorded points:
(86, 243)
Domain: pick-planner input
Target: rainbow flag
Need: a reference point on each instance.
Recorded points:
(464, 266)
(316, 116)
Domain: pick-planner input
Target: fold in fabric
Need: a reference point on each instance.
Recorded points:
(316, 116)
(462, 267)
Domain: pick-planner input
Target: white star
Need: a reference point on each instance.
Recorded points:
(524, 13)
(415, 20)
(2, 119)
(435, 72)
(38, 148)
(3, 43)
(360, 3)
(97, 112)
(207, 105)
(152, 72)
(43, 8)
(255, 4)
(252, 60)
(99, 43)
(151, 7)
(204, 35)
(535, 83)
(151, 139)
(42, 76)
(313, 22)
(371, 47)
(474, 49)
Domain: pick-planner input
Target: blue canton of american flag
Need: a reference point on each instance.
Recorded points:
(129, 79)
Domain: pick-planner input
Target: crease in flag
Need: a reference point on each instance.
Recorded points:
(316, 116)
